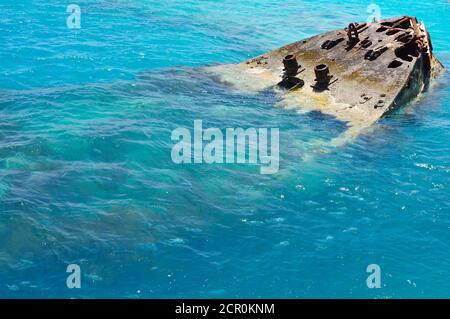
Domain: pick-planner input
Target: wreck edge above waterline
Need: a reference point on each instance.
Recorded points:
(357, 74)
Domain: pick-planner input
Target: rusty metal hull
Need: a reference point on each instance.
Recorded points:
(368, 70)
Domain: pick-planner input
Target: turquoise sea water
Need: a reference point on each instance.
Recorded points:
(86, 175)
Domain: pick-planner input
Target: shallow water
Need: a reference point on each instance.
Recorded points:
(86, 175)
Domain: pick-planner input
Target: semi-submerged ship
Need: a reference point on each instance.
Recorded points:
(357, 74)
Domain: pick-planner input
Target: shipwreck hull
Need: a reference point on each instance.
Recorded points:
(357, 74)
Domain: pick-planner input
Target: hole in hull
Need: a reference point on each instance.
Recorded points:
(407, 52)
(329, 44)
(404, 38)
(392, 32)
(366, 43)
(394, 64)
(387, 24)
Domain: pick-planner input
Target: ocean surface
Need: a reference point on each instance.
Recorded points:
(86, 175)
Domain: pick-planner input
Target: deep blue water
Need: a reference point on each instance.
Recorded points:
(86, 175)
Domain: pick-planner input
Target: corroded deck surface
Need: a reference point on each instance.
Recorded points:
(388, 64)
